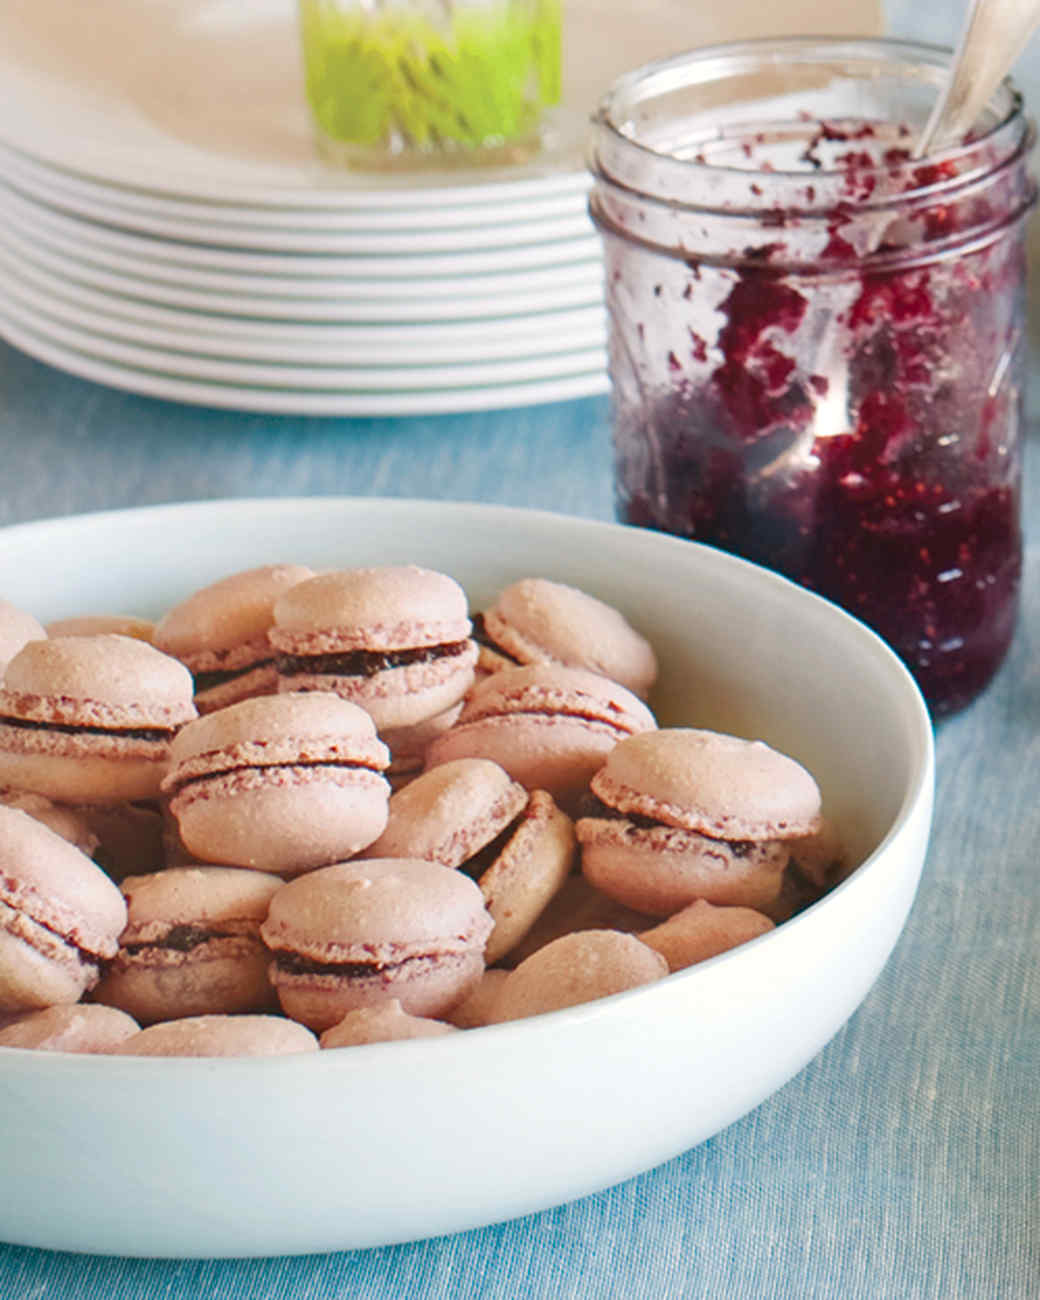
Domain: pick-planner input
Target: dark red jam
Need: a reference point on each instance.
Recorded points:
(852, 421)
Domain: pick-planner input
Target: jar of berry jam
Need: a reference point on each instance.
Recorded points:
(817, 340)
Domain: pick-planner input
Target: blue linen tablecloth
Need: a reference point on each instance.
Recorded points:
(901, 1164)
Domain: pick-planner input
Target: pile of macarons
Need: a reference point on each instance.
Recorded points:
(320, 809)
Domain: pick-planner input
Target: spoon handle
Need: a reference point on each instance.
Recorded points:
(993, 36)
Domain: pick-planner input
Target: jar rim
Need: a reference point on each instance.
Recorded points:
(616, 152)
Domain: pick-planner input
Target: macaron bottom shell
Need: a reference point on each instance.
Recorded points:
(223, 976)
(424, 986)
(82, 778)
(37, 969)
(286, 819)
(660, 870)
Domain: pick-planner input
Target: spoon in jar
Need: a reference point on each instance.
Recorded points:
(994, 34)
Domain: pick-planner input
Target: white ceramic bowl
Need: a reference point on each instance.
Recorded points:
(373, 1145)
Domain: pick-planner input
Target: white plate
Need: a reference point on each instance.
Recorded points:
(492, 296)
(371, 1145)
(133, 205)
(378, 378)
(50, 295)
(150, 255)
(287, 401)
(420, 236)
(368, 348)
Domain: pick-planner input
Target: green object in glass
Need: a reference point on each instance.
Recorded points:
(430, 78)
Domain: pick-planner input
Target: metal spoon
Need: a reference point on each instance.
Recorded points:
(995, 33)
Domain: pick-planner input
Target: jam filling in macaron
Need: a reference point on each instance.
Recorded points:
(90, 719)
(683, 814)
(394, 639)
(282, 782)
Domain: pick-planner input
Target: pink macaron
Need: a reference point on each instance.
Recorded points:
(282, 783)
(575, 969)
(60, 916)
(17, 627)
(246, 1035)
(538, 621)
(386, 1023)
(191, 945)
(361, 933)
(89, 719)
(70, 1027)
(142, 629)
(687, 814)
(702, 930)
(393, 639)
(220, 634)
(470, 814)
(550, 727)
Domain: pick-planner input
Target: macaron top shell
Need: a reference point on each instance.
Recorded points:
(227, 613)
(94, 624)
(721, 786)
(449, 813)
(392, 607)
(268, 730)
(376, 909)
(16, 628)
(197, 895)
(554, 689)
(535, 621)
(218, 1035)
(70, 1027)
(51, 881)
(106, 681)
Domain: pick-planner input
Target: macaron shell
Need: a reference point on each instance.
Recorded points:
(424, 986)
(99, 681)
(476, 1009)
(114, 775)
(283, 819)
(81, 1027)
(50, 881)
(287, 728)
(390, 607)
(703, 930)
(72, 824)
(404, 696)
(17, 627)
(720, 785)
(385, 1023)
(575, 969)
(143, 629)
(661, 870)
(249, 1035)
(557, 753)
(449, 813)
(225, 614)
(37, 970)
(381, 910)
(196, 895)
(531, 869)
(535, 620)
(552, 689)
(224, 976)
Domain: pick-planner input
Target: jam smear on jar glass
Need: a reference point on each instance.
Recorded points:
(817, 341)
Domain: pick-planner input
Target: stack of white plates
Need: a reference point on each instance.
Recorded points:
(166, 228)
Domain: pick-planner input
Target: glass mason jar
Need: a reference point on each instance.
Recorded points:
(406, 83)
(817, 341)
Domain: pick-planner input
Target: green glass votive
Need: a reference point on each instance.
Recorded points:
(406, 83)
